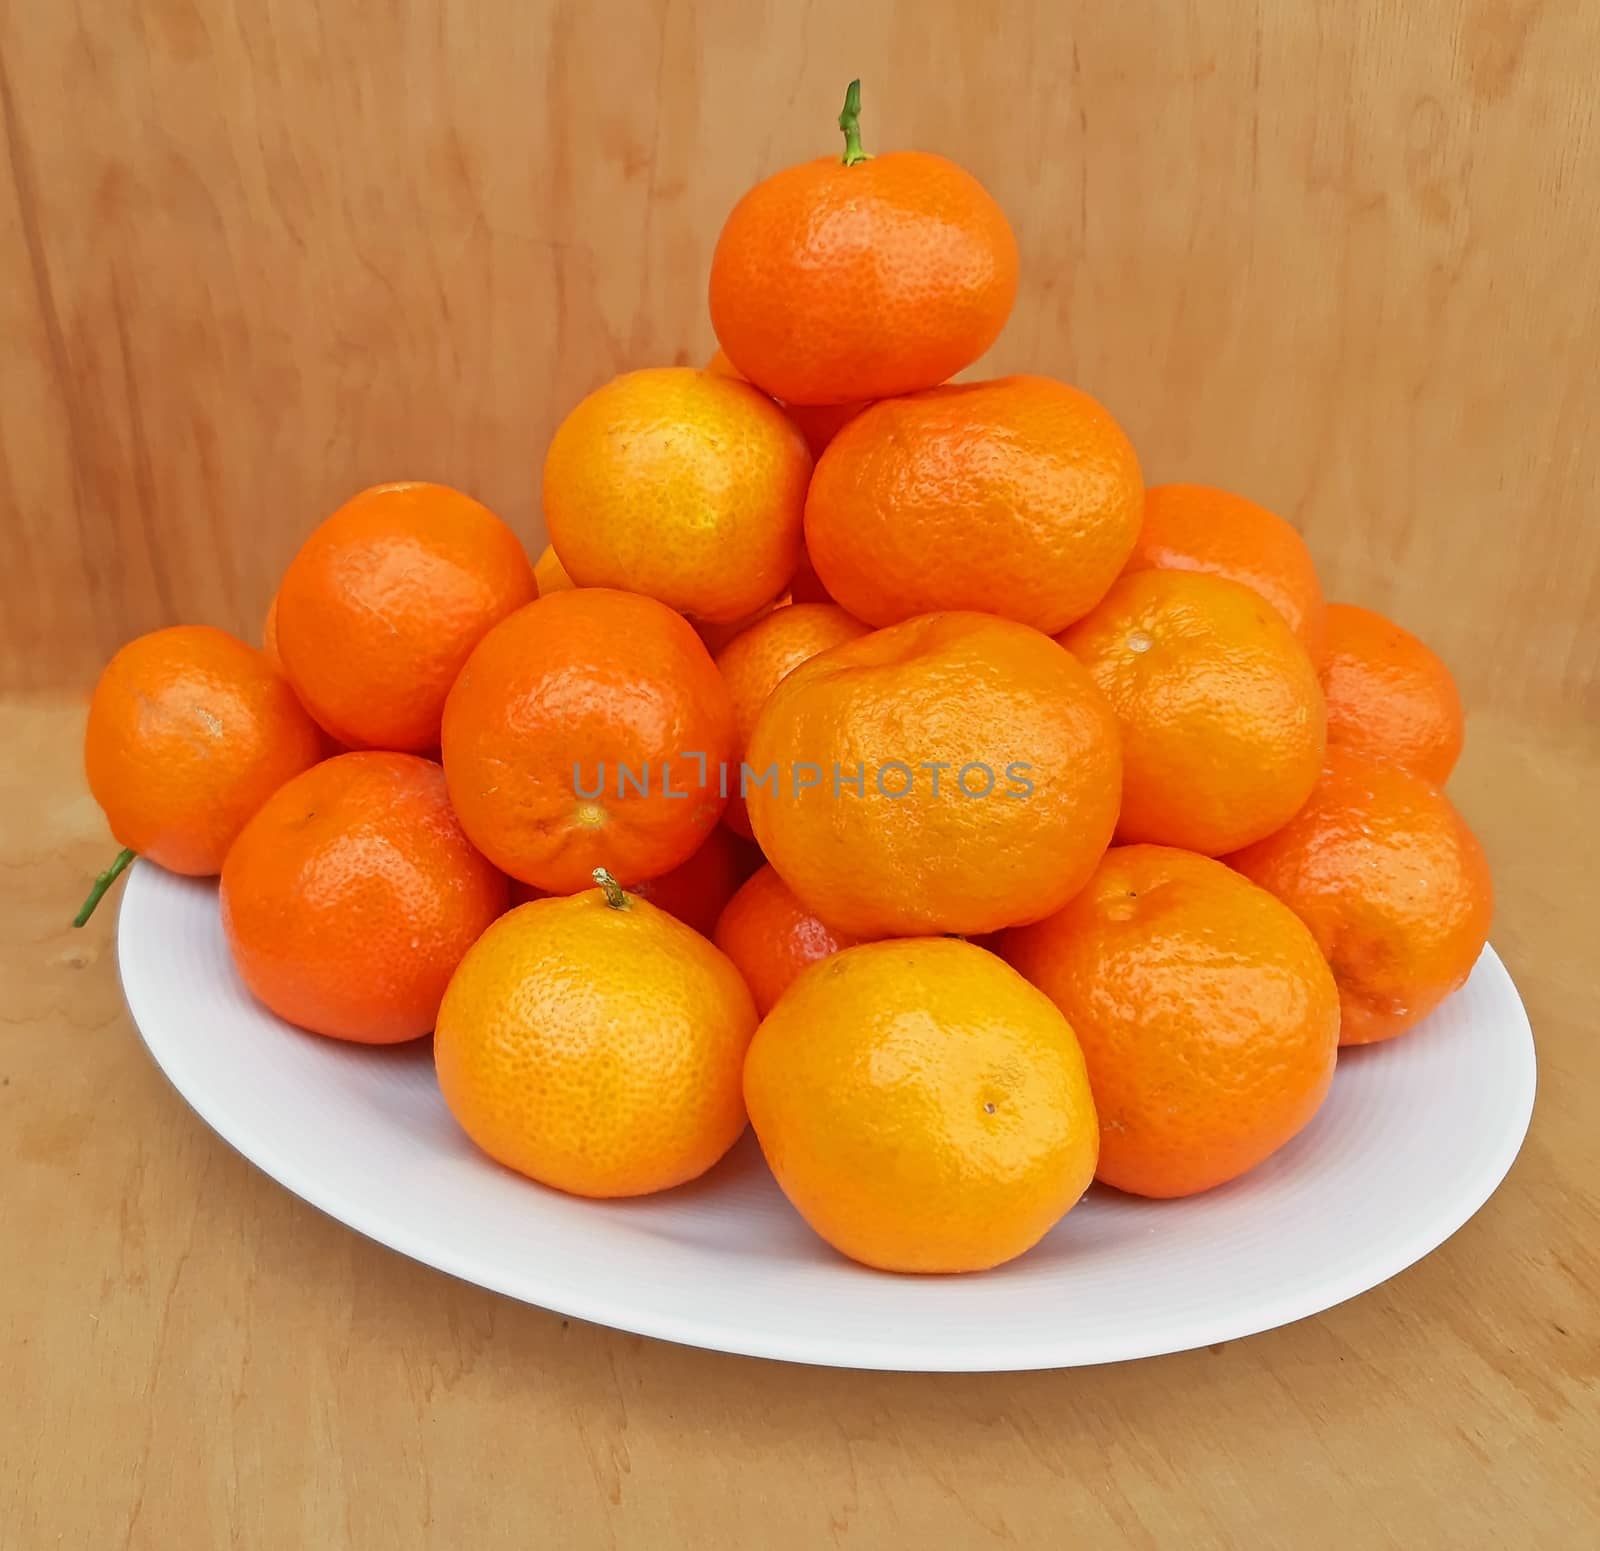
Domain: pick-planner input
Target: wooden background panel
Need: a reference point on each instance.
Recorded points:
(258, 256)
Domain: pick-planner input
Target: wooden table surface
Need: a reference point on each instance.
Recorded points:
(195, 1358)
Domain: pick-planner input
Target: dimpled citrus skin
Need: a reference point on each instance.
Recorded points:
(831, 284)
(771, 936)
(759, 658)
(1393, 885)
(550, 574)
(1389, 696)
(818, 423)
(1018, 497)
(349, 899)
(922, 1106)
(551, 706)
(958, 689)
(682, 485)
(379, 609)
(1222, 719)
(1207, 1017)
(1201, 528)
(594, 1049)
(189, 732)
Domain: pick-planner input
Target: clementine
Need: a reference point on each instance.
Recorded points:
(717, 635)
(1207, 1017)
(1389, 696)
(549, 572)
(922, 1106)
(860, 277)
(818, 423)
(759, 658)
(682, 485)
(189, 732)
(589, 729)
(349, 899)
(1393, 885)
(269, 638)
(1222, 717)
(1018, 497)
(378, 611)
(1200, 528)
(771, 936)
(954, 773)
(695, 891)
(596, 1044)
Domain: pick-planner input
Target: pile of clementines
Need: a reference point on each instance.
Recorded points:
(871, 757)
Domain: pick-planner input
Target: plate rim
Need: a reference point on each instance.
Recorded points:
(853, 1352)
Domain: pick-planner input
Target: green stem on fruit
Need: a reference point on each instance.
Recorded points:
(850, 123)
(101, 884)
(611, 889)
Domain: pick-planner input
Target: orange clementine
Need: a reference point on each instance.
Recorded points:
(588, 730)
(596, 1047)
(717, 635)
(349, 899)
(189, 732)
(861, 277)
(1206, 1014)
(771, 936)
(695, 891)
(818, 423)
(682, 485)
(759, 658)
(922, 1106)
(1393, 885)
(384, 601)
(549, 572)
(1222, 718)
(955, 773)
(1388, 695)
(1201, 528)
(1018, 497)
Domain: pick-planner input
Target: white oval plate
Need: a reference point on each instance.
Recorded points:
(725, 1263)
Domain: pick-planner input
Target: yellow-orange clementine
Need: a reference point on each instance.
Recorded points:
(759, 658)
(189, 732)
(383, 603)
(861, 277)
(588, 730)
(955, 773)
(1222, 718)
(1389, 695)
(681, 485)
(349, 899)
(771, 936)
(596, 1047)
(1207, 1017)
(549, 572)
(269, 638)
(922, 1106)
(1201, 528)
(1393, 885)
(1018, 497)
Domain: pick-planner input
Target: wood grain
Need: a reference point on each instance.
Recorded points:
(258, 256)
(196, 1358)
